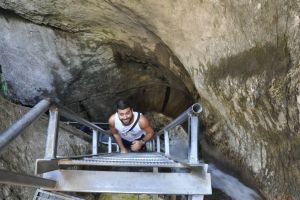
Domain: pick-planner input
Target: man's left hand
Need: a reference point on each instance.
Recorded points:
(136, 145)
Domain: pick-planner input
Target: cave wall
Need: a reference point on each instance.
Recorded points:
(85, 72)
(240, 57)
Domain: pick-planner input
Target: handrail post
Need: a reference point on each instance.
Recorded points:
(52, 133)
(95, 142)
(193, 151)
(167, 143)
(157, 144)
(109, 145)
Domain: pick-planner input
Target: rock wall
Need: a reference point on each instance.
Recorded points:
(85, 71)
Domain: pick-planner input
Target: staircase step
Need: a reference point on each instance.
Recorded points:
(45, 195)
(129, 182)
(129, 160)
(114, 159)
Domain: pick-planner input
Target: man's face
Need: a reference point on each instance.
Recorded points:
(125, 115)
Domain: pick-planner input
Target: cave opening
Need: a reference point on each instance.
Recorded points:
(147, 83)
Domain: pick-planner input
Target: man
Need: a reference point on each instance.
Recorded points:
(131, 130)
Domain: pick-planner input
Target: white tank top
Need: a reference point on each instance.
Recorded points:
(132, 135)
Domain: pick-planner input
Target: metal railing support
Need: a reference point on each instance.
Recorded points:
(52, 133)
(191, 115)
(193, 151)
(95, 142)
(157, 144)
(193, 110)
(167, 143)
(12, 132)
(109, 145)
(72, 116)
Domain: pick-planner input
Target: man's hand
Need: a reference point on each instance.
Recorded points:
(124, 150)
(137, 145)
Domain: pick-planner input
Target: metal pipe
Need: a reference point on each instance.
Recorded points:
(52, 133)
(193, 151)
(72, 116)
(193, 110)
(157, 144)
(109, 145)
(167, 143)
(13, 131)
(102, 123)
(95, 142)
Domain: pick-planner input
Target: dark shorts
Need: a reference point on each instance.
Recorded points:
(128, 144)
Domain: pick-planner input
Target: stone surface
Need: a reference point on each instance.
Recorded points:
(85, 71)
(239, 58)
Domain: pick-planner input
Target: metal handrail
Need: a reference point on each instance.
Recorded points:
(72, 122)
(191, 115)
(72, 116)
(51, 145)
(16, 129)
(195, 109)
(10, 134)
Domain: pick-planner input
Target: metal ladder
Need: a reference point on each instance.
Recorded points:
(156, 172)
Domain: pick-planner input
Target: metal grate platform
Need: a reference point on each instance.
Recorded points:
(129, 160)
(147, 159)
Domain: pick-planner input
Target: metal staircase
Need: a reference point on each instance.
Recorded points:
(154, 172)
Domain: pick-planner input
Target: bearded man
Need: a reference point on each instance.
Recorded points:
(130, 129)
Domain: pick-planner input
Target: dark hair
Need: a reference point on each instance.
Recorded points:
(123, 104)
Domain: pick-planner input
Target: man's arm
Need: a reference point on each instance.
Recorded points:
(115, 134)
(145, 126)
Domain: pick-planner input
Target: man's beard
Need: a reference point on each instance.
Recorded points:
(128, 121)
